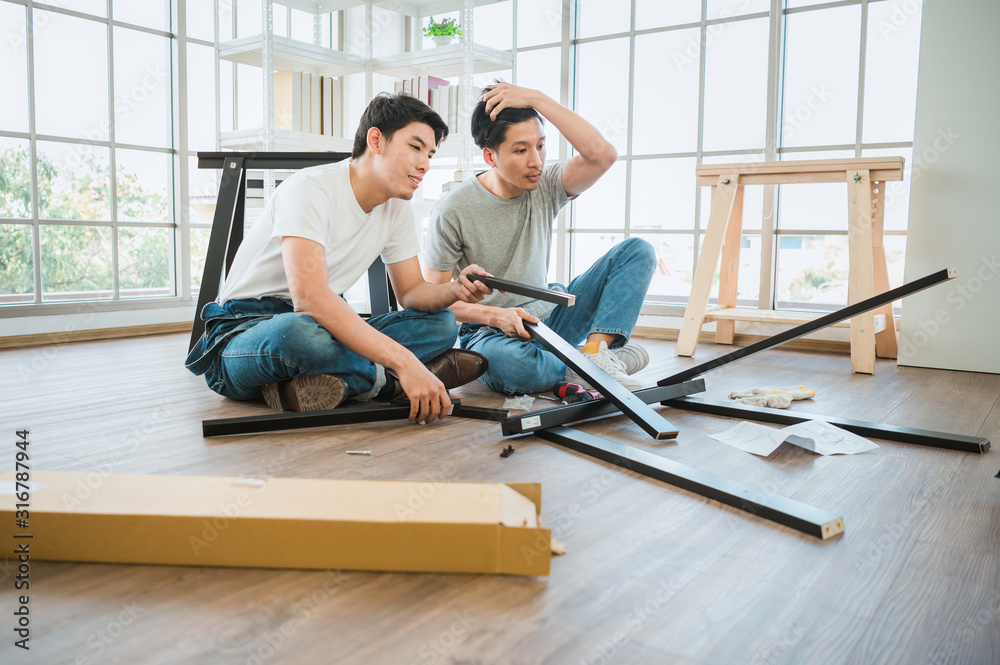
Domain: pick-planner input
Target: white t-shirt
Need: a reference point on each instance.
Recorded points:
(318, 203)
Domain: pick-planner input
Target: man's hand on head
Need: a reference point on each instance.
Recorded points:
(468, 288)
(506, 95)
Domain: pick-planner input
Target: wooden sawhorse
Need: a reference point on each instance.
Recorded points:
(867, 272)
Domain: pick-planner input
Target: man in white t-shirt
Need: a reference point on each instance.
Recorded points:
(280, 331)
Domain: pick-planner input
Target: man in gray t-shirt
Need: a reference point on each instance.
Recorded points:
(502, 221)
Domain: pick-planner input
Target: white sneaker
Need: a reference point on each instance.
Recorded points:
(633, 356)
(606, 359)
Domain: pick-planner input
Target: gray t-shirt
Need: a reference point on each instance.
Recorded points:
(508, 238)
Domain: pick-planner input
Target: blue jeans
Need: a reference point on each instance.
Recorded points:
(608, 299)
(249, 343)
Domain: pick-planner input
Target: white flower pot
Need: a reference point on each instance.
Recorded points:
(442, 40)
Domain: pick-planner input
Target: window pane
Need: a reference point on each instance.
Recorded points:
(199, 249)
(736, 85)
(494, 23)
(149, 13)
(14, 69)
(820, 92)
(76, 262)
(95, 7)
(201, 92)
(201, 19)
(71, 72)
(602, 95)
(666, 92)
(142, 88)
(586, 248)
(656, 13)
(74, 181)
(663, 192)
(896, 194)
(17, 281)
(812, 206)
(672, 277)
(541, 70)
(603, 205)
(727, 8)
(249, 104)
(812, 272)
(15, 178)
(144, 180)
(602, 18)
(203, 189)
(249, 15)
(539, 22)
(145, 257)
(302, 24)
(890, 73)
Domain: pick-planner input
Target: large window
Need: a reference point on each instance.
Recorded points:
(87, 152)
(677, 84)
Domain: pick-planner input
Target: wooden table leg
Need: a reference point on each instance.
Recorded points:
(886, 341)
(860, 280)
(729, 270)
(723, 195)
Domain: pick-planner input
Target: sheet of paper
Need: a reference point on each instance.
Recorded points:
(752, 437)
(826, 439)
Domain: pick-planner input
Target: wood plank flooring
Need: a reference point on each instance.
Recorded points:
(652, 574)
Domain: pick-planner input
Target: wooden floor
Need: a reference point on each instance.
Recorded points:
(652, 574)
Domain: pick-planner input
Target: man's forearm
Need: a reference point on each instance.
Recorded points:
(472, 313)
(584, 137)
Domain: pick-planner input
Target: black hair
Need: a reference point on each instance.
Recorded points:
(390, 113)
(488, 133)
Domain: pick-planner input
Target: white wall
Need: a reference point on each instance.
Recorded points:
(954, 219)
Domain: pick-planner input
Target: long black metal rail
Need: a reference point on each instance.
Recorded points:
(812, 326)
(557, 297)
(641, 414)
(920, 437)
(788, 512)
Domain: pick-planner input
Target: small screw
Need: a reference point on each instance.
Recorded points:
(726, 181)
(857, 177)
(359, 452)
(508, 451)
(232, 165)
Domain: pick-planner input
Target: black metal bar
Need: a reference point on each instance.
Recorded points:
(568, 413)
(271, 160)
(557, 297)
(641, 414)
(788, 512)
(480, 413)
(379, 289)
(239, 221)
(920, 437)
(812, 326)
(222, 224)
(342, 415)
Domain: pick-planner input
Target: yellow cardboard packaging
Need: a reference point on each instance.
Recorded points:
(279, 522)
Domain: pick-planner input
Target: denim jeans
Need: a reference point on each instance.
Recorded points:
(608, 298)
(249, 343)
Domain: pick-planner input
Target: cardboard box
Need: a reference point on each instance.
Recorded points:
(281, 522)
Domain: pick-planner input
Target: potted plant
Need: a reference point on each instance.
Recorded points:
(443, 31)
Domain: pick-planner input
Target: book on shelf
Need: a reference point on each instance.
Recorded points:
(336, 114)
(288, 100)
(315, 104)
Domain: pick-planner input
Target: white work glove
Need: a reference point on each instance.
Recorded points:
(775, 398)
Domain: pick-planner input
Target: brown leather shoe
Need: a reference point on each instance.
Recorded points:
(317, 392)
(456, 367)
